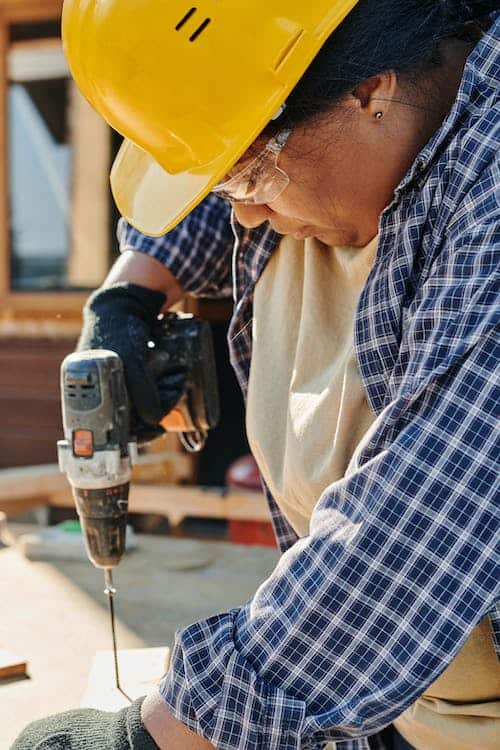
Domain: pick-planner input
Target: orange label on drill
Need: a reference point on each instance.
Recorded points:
(174, 421)
(83, 443)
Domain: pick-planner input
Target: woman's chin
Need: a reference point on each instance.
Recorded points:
(333, 237)
(302, 234)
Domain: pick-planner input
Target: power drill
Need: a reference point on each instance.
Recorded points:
(98, 451)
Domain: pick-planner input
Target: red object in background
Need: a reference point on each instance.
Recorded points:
(255, 533)
(244, 474)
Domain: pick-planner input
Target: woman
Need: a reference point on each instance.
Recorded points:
(371, 202)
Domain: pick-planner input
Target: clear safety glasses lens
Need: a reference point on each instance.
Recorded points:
(261, 181)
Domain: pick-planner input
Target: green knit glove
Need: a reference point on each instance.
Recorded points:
(88, 729)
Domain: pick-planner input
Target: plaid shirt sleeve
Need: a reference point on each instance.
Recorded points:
(198, 251)
(403, 556)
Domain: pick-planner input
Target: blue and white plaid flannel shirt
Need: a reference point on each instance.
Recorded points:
(402, 560)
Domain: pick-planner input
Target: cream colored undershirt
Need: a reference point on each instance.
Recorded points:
(307, 409)
(307, 414)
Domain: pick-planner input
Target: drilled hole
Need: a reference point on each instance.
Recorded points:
(185, 19)
(199, 30)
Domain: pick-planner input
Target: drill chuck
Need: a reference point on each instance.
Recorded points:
(103, 516)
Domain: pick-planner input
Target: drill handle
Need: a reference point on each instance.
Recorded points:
(184, 348)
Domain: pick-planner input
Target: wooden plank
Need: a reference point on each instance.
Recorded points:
(42, 482)
(90, 196)
(164, 462)
(11, 507)
(11, 665)
(4, 165)
(31, 480)
(177, 503)
(57, 305)
(196, 502)
(141, 670)
(53, 328)
(174, 502)
(28, 11)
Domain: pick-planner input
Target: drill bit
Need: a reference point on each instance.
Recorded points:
(110, 591)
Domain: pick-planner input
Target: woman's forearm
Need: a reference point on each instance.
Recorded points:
(168, 732)
(142, 269)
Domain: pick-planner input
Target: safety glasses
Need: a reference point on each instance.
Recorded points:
(261, 180)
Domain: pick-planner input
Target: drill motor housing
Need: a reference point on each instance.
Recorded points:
(98, 452)
(185, 341)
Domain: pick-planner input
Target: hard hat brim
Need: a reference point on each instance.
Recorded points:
(150, 198)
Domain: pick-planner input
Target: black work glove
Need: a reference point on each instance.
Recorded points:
(122, 318)
(88, 729)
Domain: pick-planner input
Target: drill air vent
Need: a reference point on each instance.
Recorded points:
(82, 388)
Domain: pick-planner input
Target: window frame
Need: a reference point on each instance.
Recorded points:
(51, 305)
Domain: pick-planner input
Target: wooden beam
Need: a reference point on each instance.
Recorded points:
(44, 485)
(30, 328)
(28, 487)
(177, 503)
(24, 504)
(11, 665)
(4, 164)
(88, 261)
(28, 481)
(47, 303)
(24, 482)
(29, 11)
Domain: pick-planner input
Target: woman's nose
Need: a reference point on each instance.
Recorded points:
(252, 215)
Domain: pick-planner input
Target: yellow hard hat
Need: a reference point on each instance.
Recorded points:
(190, 88)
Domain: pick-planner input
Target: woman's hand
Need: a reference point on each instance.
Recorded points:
(89, 729)
(167, 732)
(122, 317)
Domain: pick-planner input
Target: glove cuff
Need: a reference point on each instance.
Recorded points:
(147, 302)
(138, 736)
(88, 729)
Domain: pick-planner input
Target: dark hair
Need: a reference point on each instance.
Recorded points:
(404, 36)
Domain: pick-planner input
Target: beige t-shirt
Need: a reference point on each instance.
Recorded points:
(307, 409)
(307, 416)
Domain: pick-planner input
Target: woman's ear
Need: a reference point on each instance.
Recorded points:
(374, 96)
